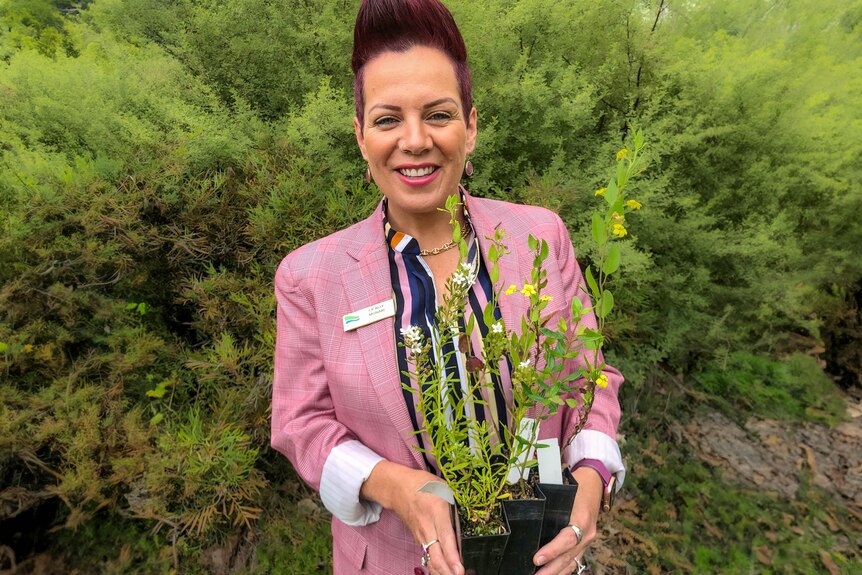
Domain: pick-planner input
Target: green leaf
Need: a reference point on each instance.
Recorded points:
(577, 307)
(599, 231)
(612, 263)
(555, 335)
(613, 193)
(639, 140)
(591, 281)
(572, 403)
(607, 304)
(157, 418)
(493, 254)
(543, 251)
(488, 315)
(591, 339)
(532, 243)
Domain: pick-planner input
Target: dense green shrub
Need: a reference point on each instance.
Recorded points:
(160, 157)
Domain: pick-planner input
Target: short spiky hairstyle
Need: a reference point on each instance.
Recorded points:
(397, 26)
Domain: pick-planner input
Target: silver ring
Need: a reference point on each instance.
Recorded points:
(581, 566)
(426, 557)
(578, 534)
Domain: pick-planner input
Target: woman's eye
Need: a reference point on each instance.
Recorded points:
(385, 121)
(440, 117)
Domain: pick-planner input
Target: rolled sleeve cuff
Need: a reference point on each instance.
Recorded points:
(349, 464)
(591, 444)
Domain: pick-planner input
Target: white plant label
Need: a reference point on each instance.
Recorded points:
(550, 463)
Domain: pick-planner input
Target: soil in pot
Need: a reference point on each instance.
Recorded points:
(482, 554)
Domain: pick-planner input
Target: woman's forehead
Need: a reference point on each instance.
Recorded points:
(420, 74)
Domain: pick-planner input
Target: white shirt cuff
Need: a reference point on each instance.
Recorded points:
(591, 444)
(349, 464)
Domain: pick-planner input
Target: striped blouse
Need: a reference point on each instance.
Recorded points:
(415, 297)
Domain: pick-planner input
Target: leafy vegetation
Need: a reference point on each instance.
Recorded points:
(158, 158)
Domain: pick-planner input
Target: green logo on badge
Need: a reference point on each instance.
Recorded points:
(348, 319)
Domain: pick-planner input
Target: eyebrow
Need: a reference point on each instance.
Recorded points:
(424, 107)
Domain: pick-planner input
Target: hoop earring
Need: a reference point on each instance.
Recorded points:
(468, 168)
(367, 174)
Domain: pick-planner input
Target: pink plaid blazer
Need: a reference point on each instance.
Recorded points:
(331, 387)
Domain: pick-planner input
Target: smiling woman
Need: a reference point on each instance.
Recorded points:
(342, 409)
(415, 138)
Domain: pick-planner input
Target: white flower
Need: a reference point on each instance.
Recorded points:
(412, 336)
(497, 327)
(463, 276)
(524, 364)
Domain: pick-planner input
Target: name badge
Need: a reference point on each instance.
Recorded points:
(369, 315)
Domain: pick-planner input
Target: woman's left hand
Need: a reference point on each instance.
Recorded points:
(564, 554)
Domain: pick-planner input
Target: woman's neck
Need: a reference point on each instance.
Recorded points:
(430, 230)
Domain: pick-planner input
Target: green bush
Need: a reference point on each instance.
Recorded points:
(793, 389)
(160, 157)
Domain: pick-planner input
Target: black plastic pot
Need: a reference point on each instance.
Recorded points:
(525, 522)
(482, 554)
(558, 509)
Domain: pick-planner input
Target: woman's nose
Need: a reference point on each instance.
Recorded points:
(416, 138)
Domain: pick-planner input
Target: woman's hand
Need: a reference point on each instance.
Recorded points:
(562, 555)
(428, 517)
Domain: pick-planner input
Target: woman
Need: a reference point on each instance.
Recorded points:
(339, 411)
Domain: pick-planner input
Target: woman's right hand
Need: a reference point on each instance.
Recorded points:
(428, 517)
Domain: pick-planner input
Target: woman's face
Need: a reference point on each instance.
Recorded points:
(415, 139)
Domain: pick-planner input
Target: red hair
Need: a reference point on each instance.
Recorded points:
(397, 26)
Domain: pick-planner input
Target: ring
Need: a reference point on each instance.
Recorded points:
(578, 534)
(426, 557)
(581, 566)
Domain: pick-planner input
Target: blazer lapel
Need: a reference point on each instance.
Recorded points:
(513, 270)
(366, 284)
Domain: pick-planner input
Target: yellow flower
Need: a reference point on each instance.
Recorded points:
(620, 230)
(28, 347)
(602, 380)
(512, 289)
(528, 290)
(622, 154)
(546, 298)
(601, 191)
(634, 204)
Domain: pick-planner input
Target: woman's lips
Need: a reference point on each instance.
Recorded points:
(420, 180)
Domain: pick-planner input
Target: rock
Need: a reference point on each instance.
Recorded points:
(775, 454)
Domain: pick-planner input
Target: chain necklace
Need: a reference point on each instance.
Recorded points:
(447, 246)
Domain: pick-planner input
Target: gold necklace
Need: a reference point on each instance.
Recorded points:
(445, 247)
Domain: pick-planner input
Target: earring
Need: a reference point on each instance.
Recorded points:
(367, 174)
(468, 168)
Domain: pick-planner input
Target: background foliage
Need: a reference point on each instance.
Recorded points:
(160, 157)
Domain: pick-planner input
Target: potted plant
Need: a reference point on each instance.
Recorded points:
(483, 463)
